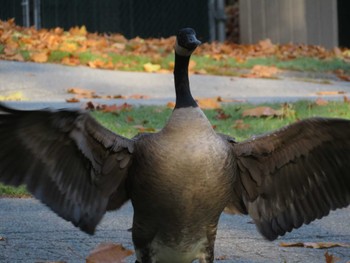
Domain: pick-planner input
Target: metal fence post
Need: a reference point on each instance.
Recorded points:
(26, 13)
(37, 14)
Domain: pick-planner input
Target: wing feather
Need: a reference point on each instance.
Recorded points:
(295, 175)
(66, 159)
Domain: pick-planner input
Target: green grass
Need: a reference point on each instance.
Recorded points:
(58, 55)
(154, 117)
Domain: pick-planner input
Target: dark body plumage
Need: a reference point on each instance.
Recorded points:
(180, 179)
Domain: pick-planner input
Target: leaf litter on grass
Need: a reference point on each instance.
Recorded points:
(77, 46)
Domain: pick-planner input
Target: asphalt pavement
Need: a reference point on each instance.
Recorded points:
(30, 232)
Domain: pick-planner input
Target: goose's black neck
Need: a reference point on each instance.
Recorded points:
(182, 85)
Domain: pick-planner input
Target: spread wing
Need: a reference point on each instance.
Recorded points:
(66, 159)
(295, 175)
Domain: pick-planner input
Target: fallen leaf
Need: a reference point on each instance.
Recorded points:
(129, 119)
(332, 92)
(119, 97)
(170, 105)
(317, 245)
(262, 111)
(261, 71)
(240, 125)
(15, 96)
(90, 106)
(2, 238)
(70, 61)
(72, 100)
(143, 129)
(223, 257)
(321, 102)
(330, 258)
(221, 115)
(108, 253)
(138, 97)
(149, 67)
(40, 57)
(208, 103)
(82, 93)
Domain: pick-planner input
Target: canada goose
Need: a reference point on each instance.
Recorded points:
(180, 179)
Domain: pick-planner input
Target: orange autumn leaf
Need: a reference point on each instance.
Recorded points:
(108, 253)
(170, 105)
(262, 111)
(330, 92)
(138, 96)
(261, 71)
(70, 61)
(40, 57)
(208, 103)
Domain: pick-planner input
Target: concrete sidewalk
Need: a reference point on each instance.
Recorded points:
(46, 85)
(33, 233)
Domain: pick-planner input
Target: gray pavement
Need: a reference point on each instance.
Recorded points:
(32, 233)
(35, 234)
(46, 85)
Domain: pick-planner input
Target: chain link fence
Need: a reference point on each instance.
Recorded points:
(212, 19)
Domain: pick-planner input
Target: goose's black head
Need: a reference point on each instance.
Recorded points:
(186, 42)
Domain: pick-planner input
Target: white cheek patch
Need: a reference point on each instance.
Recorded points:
(182, 51)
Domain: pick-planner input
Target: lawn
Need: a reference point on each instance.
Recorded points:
(228, 120)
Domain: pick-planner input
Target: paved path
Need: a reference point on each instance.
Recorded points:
(32, 233)
(46, 85)
(35, 234)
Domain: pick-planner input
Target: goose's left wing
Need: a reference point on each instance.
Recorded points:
(295, 175)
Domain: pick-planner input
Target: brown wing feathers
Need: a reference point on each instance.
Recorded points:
(66, 159)
(295, 175)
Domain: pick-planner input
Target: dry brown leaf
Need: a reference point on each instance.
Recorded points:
(40, 57)
(108, 253)
(129, 119)
(321, 102)
(208, 103)
(330, 258)
(138, 97)
(70, 61)
(2, 238)
(114, 107)
(317, 245)
(82, 93)
(72, 100)
(221, 115)
(240, 125)
(331, 92)
(261, 71)
(262, 111)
